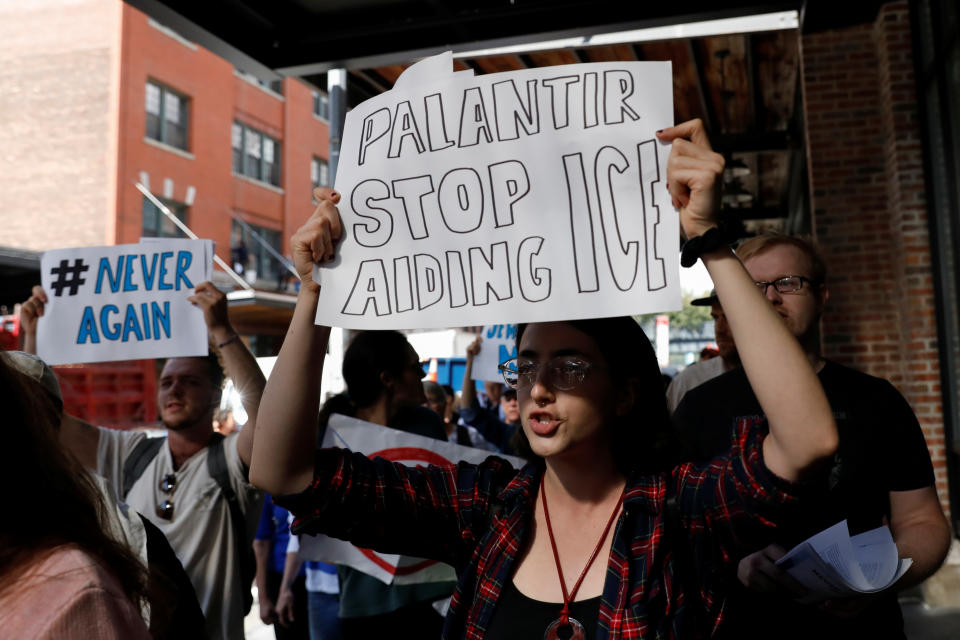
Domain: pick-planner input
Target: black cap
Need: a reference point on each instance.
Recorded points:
(706, 302)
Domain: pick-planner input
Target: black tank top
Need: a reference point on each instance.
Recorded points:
(517, 617)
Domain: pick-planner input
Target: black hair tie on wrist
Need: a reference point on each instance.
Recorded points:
(714, 238)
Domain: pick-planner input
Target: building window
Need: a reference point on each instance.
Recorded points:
(255, 154)
(251, 258)
(167, 115)
(321, 104)
(158, 225)
(319, 173)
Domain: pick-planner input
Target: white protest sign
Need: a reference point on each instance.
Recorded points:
(123, 302)
(499, 344)
(532, 195)
(397, 446)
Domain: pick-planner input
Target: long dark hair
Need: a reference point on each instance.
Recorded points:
(642, 439)
(370, 353)
(55, 499)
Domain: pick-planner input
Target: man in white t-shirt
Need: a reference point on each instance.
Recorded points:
(698, 373)
(175, 488)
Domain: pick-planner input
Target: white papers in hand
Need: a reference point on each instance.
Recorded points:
(831, 564)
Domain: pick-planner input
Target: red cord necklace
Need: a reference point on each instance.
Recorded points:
(565, 627)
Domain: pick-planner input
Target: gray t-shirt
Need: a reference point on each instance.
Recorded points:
(200, 531)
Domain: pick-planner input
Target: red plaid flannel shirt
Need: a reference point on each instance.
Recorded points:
(476, 517)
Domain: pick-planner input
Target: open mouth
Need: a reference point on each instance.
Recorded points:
(543, 423)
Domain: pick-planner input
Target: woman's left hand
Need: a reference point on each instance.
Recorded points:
(694, 176)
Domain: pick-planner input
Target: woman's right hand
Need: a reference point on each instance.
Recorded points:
(315, 242)
(694, 176)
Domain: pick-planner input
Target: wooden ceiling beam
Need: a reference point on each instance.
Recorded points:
(496, 64)
(708, 116)
(552, 58)
(372, 78)
(754, 106)
(391, 73)
(754, 96)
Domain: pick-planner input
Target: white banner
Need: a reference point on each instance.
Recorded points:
(499, 344)
(123, 302)
(532, 195)
(397, 446)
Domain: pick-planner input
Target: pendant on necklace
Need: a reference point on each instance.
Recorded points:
(571, 631)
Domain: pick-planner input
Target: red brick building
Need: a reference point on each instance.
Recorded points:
(870, 212)
(127, 100)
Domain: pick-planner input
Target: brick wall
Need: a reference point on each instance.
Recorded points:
(869, 211)
(57, 72)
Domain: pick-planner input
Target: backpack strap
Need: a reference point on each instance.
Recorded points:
(217, 467)
(136, 463)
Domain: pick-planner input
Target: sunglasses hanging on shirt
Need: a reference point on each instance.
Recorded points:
(167, 485)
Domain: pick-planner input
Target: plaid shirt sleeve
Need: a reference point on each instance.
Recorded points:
(436, 512)
(734, 505)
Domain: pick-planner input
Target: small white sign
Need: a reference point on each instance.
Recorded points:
(123, 302)
(499, 344)
(532, 195)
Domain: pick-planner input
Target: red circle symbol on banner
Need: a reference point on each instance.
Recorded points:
(404, 454)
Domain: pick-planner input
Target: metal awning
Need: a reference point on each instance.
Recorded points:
(744, 85)
(20, 269)
(260, 312)
(285, 35)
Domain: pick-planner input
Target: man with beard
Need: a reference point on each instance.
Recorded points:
(880, 474)
(192, 484)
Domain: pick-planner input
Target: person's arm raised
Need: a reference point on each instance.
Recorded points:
(468, 390)
(30, 313)
(239, 364)
(802, 429)
(286, 438)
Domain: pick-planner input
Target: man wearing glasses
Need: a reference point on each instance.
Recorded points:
(193, 483)
(881, 473)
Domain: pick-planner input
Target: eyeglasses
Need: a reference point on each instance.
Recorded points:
(562, 373)
(786, 284)
(168, 484)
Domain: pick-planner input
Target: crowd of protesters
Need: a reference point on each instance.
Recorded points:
(624, 523)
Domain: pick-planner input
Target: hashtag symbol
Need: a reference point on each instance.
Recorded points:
(68, 276)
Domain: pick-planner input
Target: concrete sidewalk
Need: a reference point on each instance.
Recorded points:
(923, 622)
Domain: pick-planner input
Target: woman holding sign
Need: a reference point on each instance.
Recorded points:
(592, 540)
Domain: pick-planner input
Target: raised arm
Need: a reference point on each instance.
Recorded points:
(468, 391)
(30, 313)
(283, 451)
(802, 429)
(238, 362)
(76, 436)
